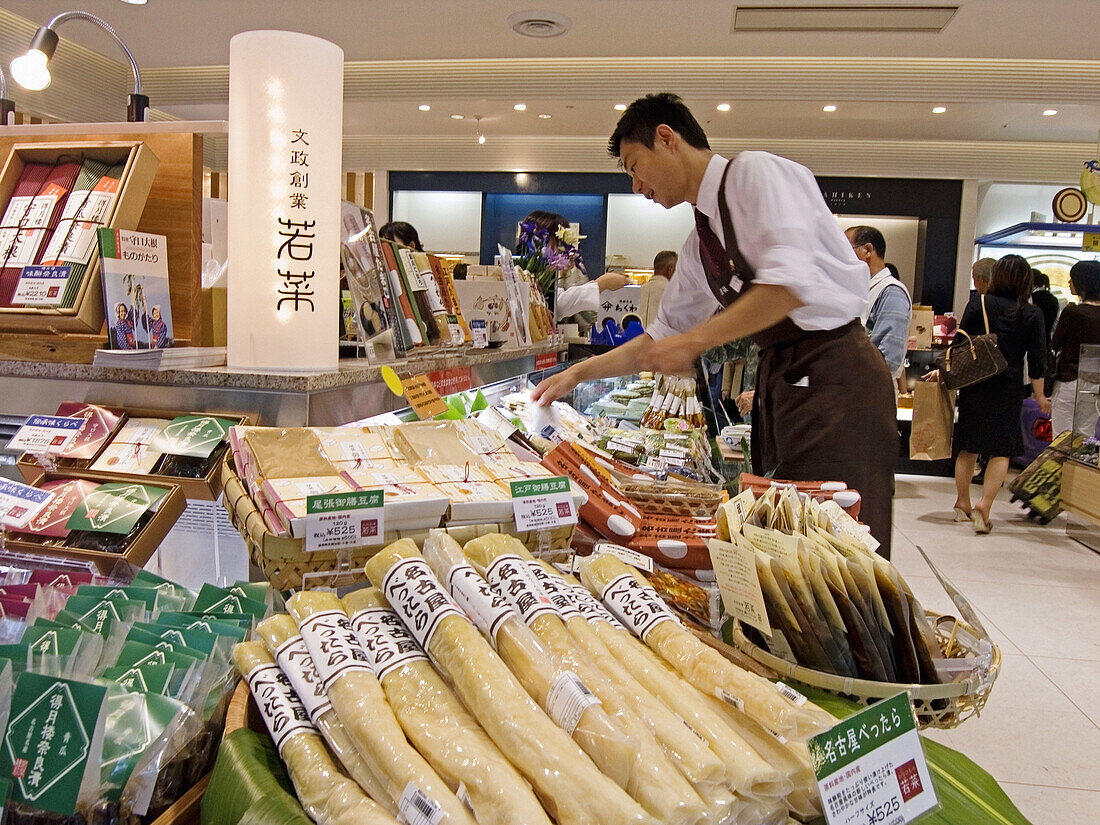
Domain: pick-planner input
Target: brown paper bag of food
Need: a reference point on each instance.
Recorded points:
(933, 421)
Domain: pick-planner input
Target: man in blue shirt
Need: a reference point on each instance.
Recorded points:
(889, 306)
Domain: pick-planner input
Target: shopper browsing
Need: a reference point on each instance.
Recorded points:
(989, 411)
(767, 260)
(889, 306)
(1079, 324)
(403, 234)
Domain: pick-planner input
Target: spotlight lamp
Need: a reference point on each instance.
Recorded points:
(6, 106)
(31, 70)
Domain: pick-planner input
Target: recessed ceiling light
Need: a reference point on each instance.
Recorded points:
(938, 110)
(620, 107)
(539, 23)
(1049, 112)
(520, 107)
(829, 108)
(723, 107)
(136, 2)
(544, 116)
(481, 138)
(424, 107)
(457, 117)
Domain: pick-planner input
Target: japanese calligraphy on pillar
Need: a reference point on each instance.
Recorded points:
(296, 237)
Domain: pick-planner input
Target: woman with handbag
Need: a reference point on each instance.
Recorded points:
(1079, 324)
(989, 410)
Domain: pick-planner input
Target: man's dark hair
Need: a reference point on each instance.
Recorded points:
(894, 270)
(664, 260)
(639, 122)
(868, 234)
(1040, 279)
(1085, 277)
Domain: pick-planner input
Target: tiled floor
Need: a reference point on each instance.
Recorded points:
(1038, 595)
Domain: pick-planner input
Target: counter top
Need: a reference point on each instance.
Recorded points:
(350, 371)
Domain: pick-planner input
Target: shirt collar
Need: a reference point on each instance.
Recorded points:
(707, 199)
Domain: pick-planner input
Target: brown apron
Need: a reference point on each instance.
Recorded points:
(824, 406)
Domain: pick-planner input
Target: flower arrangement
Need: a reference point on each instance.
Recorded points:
(545, 255)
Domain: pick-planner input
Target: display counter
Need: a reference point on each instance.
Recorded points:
(352, 392)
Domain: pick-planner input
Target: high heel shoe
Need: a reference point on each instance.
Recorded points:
(981, 524)
(961, 516)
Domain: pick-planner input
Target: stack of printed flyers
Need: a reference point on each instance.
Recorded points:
(431, 472)
(118, 690)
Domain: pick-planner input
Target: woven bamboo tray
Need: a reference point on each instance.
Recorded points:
(936, 706)
(284, 561)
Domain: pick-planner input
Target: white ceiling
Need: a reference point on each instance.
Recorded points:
(995, 66)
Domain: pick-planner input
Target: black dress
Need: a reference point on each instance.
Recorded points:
(989, 412)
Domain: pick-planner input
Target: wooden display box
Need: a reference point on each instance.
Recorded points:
(207, 488)
(1081, 490)
(86, 314)
(141, 548)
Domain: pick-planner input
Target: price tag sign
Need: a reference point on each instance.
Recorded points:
(739, 584)
(870, 768)
(338, 520)
(543, 503)
(42, 285)
(19, 503)
(479, 331)
(623, 554)
(423, 397)
(45, 434)
(1091, 242)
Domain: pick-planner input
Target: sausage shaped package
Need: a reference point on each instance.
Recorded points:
(283, 641)
(361, 705)
(572, 789)
(652, 780)
(435, 720)
(628, 593)
(329, 797)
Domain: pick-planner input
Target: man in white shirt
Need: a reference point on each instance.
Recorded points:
(889, 306)
(786, 276)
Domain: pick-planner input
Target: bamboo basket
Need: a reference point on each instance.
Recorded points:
(936, 706)
(284, 561)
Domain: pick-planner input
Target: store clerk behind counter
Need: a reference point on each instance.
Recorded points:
(768, 261)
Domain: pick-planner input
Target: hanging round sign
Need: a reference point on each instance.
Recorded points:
(1090, 180)
(1069, 205)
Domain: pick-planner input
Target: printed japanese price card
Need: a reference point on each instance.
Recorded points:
(42, 285)
(543, 503)
(45, 434)
(337, 520)
(870, 768)
(19, 503)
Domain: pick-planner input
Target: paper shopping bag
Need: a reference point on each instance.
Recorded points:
(933, 421)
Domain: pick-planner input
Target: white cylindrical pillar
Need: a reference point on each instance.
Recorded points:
(286, 104)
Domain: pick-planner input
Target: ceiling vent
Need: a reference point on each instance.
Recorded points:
(539, 23)
(881, 18)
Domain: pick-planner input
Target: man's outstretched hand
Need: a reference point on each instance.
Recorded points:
(552, 388)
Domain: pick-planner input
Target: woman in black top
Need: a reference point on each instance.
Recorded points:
(1079, 324)
(989, 412)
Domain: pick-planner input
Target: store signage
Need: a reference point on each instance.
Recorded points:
(1091, 242)
(19, 503)
(546, 360)
(455, 379)
(338, 520)
(870, 767)
(423, 397)
(543, 503)
(285, 147)
(46, 434)
(42, 285)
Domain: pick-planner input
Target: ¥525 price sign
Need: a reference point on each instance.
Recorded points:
(543, 503)
(338, 520)
(870, 768)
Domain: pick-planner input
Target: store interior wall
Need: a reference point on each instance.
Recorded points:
(901, 235)
(1004, 204)
(445, 221)
(637, 229)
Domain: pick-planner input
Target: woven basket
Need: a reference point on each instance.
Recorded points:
(936, 706)
(284, 561)
(670, 497)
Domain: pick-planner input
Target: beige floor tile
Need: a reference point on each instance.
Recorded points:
(1077, 679)
(1044, 805)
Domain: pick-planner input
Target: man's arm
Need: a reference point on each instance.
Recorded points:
(623, 360)
(891, 330)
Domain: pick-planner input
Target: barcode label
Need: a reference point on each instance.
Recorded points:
(417, 808)
(790, 694)
(691, 728)
(567, 701)
(730, 699)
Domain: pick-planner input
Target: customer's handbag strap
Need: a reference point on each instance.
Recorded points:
(985, 316)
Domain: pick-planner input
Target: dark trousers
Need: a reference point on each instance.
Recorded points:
(824, 410)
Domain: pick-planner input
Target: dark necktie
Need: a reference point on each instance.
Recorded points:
(720, 268)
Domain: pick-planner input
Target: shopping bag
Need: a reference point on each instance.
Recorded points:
(933, 421)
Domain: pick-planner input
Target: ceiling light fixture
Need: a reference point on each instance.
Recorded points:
(1049, 112)
(829, 108)
(544, 116)
(136, 2)
(723, 107)
(480, 137)
(520, 107)
(31, 70)
(620, 107)
(539, 23)
(7, 107)
(424, 107)
(938, 110)
(457, 117)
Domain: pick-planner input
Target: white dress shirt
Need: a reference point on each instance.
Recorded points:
(788, 236)
(580, 298)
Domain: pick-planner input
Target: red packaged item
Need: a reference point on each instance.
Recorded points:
(606, 511)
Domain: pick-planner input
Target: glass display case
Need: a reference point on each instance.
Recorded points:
(1086, 407)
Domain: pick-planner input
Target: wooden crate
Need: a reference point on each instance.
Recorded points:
(1081, 490)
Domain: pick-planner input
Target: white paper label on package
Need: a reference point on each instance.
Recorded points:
(624, 554)
(283, 712)
(333, 645)
(512, 578)
(558, 590)
(567, 701)
(592, 609)
(487, 608)
(294, 660)
(387, 641)
(730, 699)
(419, 599)
(637, 607)
(19, 247)
(417, 808)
